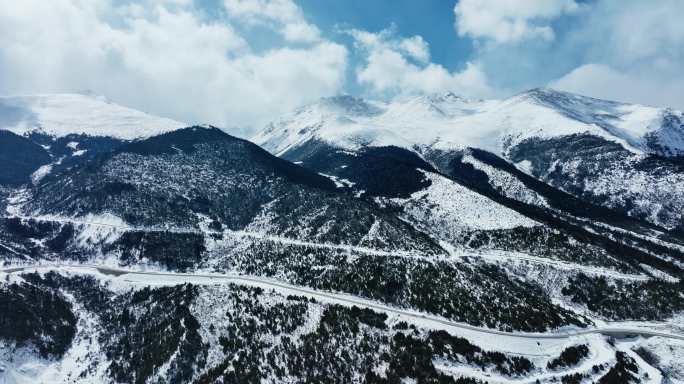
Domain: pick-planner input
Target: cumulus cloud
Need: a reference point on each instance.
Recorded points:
(398, 66)
(627, 50)
(633, 51)
(285, 15)
(599, 80)
(159, 56)
(505, 21)
(638, 30)
(416, 48)
(605, 82)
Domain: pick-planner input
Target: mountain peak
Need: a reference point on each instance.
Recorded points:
(545, 94)
(349, 105)
(569, 100)
(446, 97)
(449, 121)
(63, 114)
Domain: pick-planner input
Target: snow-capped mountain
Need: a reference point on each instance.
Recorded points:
(379, 247)
(59, 115)
(42, 133)
(450, 122)
(601, 151)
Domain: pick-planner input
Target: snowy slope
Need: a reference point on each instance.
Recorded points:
(59, 115)
(451, 122)
(450, 206)
(593, 149)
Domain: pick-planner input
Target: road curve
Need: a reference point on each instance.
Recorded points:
(213, 278)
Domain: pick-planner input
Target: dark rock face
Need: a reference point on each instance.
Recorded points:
(672, 130)
(19, 158)
(373, 171)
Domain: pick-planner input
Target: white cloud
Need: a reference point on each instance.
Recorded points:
(283, 14)
(506, 21)
(637, 30)
(416, 47)
(627, 50)
(604, 82)
(395, 65)
(635, 33)
(259, 11)
(633, 51)
(301, 32)
(595, 80)
(160, 58)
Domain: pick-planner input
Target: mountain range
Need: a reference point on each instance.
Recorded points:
(431, 239)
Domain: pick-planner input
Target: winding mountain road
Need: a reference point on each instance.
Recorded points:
(495, 256)
(156, 277)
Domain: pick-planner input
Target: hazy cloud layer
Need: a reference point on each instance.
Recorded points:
(506, 21)
(160, 56)
(283, 15)
(628, 50)
(394, 65)
(247, 61)
(633, 50)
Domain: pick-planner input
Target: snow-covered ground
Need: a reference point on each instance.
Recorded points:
(507, 184)
(105, 227)
(450, 122)
(451, 206)
(59, 115)
(97, 229)
(119, 276)
(670, 355)
(526, 261)
(24, 366)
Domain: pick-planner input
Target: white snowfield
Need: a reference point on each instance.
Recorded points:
(59, 115)
(451, 206)
(450, 122)
(424, 319)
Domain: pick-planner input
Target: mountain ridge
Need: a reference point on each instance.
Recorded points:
(632, 125)
(618, 148)
(59, 115)
(457, 235)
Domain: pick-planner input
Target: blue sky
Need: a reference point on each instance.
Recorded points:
(431, 19)
(242, 63)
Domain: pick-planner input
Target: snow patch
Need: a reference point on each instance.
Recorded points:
(525, 166)
(40, 173)
(107, 229)
(339, 182)
(59, 115)
(507, 184)
(446, 203)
